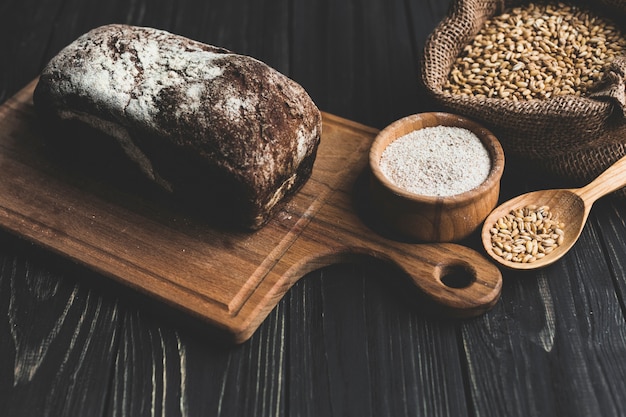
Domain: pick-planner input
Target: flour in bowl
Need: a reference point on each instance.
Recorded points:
(436, 161)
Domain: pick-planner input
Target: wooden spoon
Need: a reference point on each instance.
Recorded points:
(570, 206)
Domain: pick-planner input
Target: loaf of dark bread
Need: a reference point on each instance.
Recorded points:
(197, 119)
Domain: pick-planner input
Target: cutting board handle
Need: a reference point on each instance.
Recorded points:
(459, 281)
(453, 280)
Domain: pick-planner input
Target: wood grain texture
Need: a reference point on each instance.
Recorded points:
(336, 368)
(553, 345)
(230, 279)
(59, 352)
(553, 321)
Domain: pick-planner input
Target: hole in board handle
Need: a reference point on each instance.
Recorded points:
(457, 276)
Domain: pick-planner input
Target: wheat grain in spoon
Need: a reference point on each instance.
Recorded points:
(570, 206)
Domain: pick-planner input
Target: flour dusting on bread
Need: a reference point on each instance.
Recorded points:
(191, 115)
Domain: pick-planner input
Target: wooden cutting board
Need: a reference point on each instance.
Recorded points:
(229, 279)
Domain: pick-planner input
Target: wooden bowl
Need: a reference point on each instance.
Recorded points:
(428, 218)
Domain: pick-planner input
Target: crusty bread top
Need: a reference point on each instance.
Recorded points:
(147, 86)
(231, 109)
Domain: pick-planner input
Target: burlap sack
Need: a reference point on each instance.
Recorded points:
(573, 138)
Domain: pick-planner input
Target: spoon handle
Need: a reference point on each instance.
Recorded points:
(610, 180)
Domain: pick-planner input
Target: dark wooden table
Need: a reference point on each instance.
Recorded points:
(343, 342)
